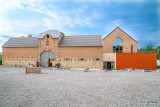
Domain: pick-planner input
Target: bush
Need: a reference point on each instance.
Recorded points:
(85, 70)
(0, 58)
(114, 69)
(57, 65)
(147, 69)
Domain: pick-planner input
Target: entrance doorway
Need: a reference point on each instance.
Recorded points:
(108, 65)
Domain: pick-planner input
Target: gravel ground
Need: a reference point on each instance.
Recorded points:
(75, 88)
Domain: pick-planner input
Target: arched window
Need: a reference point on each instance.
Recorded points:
(117, 45)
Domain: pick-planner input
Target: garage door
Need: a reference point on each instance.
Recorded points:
(45, 56)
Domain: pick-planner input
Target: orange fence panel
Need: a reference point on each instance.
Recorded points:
(136, 60)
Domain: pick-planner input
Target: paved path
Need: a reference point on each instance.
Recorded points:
(64, 88)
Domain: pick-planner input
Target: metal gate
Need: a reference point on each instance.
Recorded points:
(45, 56)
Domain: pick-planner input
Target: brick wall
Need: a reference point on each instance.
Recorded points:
(76, 53)
(19, 56)
(127, 42)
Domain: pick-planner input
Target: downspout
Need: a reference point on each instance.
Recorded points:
(37, 56)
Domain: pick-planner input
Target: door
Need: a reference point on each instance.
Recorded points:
(108, 65)
(46, 57)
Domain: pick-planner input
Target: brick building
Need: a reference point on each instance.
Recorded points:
(52, 46)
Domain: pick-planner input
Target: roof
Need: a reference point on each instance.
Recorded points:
(52, 33)
(22, 42)
(122, 31)
(85, 40)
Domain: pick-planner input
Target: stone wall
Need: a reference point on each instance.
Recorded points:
(77, 63)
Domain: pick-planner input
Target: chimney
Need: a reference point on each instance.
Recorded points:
(29, 35)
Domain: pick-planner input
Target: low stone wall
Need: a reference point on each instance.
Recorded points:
(19, 62)
(82, 65)
(33, 70)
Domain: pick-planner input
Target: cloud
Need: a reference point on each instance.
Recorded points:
(119, 23)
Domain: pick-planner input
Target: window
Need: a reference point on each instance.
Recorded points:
(97, 59)
(117, 45)
(47, 36)
(131, 48)
(82, 59)
(67, 59)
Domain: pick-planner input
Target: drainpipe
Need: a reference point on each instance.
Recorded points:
(37, 56)
(58, 54)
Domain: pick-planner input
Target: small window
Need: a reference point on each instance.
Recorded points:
(47, 36)
(97, 59)
(131, 48)
(67, 59)
(82, 59)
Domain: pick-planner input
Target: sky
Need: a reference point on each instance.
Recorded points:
(138, 18)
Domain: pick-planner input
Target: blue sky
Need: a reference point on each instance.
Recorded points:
(139, 18)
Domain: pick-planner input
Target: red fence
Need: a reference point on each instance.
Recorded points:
(136, 60)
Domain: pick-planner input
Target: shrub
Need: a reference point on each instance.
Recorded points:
(133, 68)
(147, 69)
(85, 70)
(114, 69)
(57, 65)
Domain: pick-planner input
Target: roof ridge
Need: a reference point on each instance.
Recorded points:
(83, 35)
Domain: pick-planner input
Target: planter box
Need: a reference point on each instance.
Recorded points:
(131, 70)
(147, 71)
(33, 70)
(85, 70)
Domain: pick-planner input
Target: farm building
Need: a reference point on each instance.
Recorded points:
(85, 51)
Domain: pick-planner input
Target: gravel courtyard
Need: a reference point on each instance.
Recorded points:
(75, 88)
